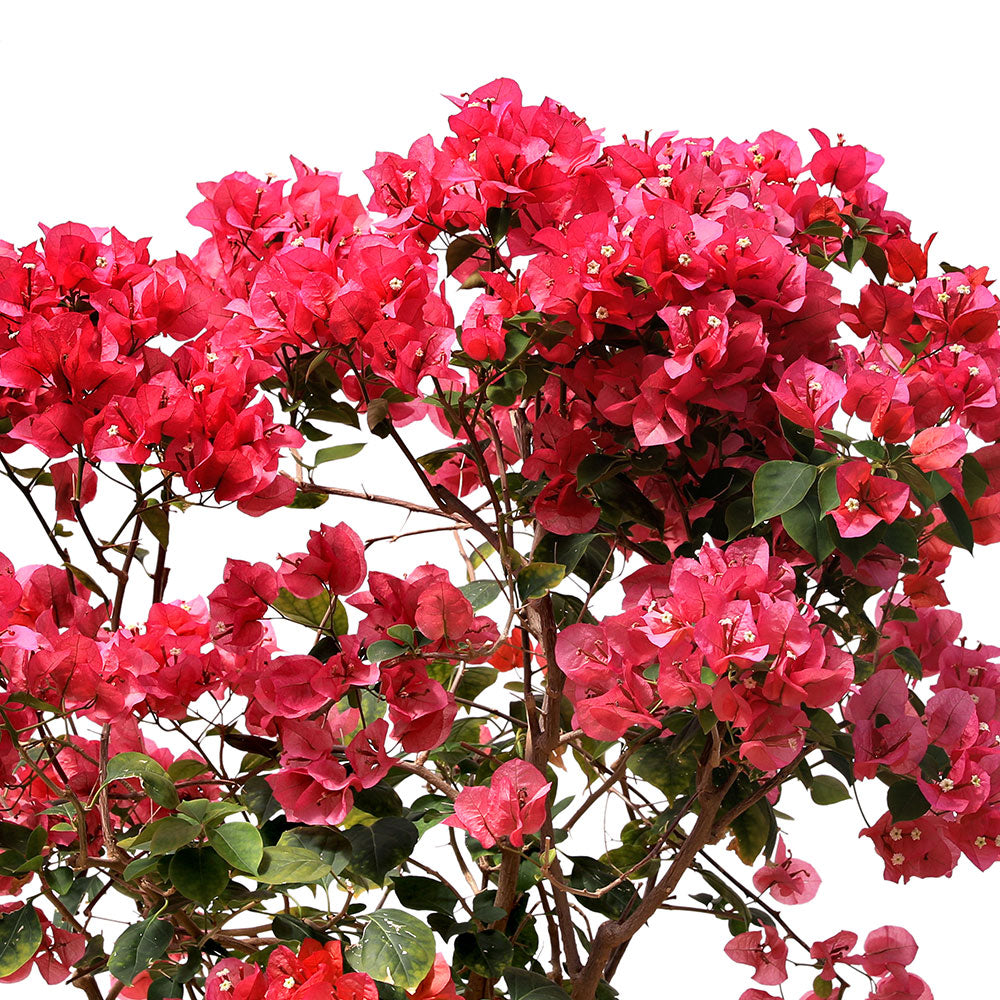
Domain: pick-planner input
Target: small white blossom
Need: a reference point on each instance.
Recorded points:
(714, 321)
(684, 259)
(395, 284)
(852, 504)
(113, 431)
(743, 242)
(601, 313)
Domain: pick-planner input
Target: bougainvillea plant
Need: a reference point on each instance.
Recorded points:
(703, 504)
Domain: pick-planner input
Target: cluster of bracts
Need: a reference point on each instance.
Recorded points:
(668, 297)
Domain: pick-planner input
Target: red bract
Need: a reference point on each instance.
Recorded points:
(335, 559)
(788, 879)
(939, 448)
(866, 499)
(512, 806)
(766, 952)
(641, 381)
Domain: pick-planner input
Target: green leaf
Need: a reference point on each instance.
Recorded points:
(20, 936)
(901, 538)
(206, 811)
(975, 481)
(751, 830)
(952, 509)
(486, 953)
(905, 800)
(240, 844)
(594, 876)
(198, 873)
(621, 495)
(403, 634)
(524, 985)
(313, 612)
(826, 790)
(291, 866)
(395, 947)
(460, 250)
(780, 486)
(170, 834)
(338, 452)
(481, 593)
(829, 496)
(383, 649)
(807, 527)
(657, 763)
(878, 264)
(327, 843)
(307, 500)
(538, 578)
(141, 944)
(378, 849)
(155, 781)
(909, 661)
(871, 449)
(418, 892)
(155, 518)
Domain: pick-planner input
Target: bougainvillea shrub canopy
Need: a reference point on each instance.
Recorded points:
(704, 502)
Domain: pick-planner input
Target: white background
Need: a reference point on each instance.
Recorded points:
(112, 111)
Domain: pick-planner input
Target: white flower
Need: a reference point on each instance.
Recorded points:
(852, 504)
(743, 242)
(714, 321)
(601, 313)
(683, 260)
(101, 262)
(113, 431)
(593, 267)
(395, 284)
(607, 250)
(898, 859)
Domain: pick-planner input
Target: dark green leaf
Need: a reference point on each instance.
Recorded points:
(906, 801)
(909, 661)
(395, 947)
(952, 509)
(460, 250)
(329, 844)
(975, 481)
(418, 892)
(378, 849)
(780, 486)
(524, 985)
(808, 528)
(481, 593)
(826, 790)
(198, 873)
(486, 952)
(155, 781)
(141, 944)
